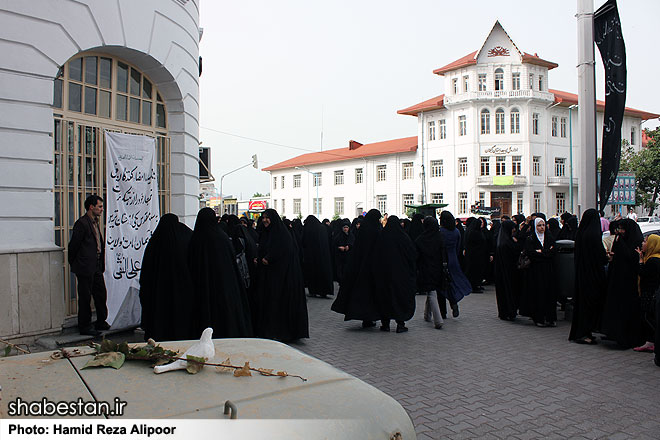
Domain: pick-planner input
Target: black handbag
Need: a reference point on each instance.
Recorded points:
(523, 261)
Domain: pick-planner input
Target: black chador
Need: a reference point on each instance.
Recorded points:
(282, 304)
(507, 274)
(317, 262)
(355, 299)
(396, 274)
(590, 278)
(218, 298)
(342, 247)
(165, 283)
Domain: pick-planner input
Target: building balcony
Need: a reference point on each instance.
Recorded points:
(498, 94)
(561, 181)
(501, 180)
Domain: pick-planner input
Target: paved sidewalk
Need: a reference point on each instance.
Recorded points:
(480, 377)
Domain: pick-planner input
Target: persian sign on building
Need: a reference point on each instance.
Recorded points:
(132, 214)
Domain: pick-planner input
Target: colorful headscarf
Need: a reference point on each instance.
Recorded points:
(652, 247)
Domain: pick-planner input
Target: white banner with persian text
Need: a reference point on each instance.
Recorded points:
(132, 213)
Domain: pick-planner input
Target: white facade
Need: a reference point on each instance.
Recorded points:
(157, 37)
(524, 139)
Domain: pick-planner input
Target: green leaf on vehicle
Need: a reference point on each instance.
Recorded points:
(195, 367)
(107, 346)
(112, 359)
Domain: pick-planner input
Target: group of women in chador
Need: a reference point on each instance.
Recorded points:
(223, 275)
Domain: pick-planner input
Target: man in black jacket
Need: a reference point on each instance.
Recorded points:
(87, 260)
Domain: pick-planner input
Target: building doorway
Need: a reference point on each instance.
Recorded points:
(501, 200)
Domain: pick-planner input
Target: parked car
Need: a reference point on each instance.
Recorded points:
(653, 219)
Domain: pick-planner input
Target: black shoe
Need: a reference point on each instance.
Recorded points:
(368, 324)
(657, 361)
(102, 326)
(552, 324)
(90, 331)
(400, 328)
(454, 311)
(385, 328)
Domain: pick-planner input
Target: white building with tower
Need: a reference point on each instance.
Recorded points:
(498, 135)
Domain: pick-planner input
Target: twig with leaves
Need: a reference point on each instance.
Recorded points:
(16, 347)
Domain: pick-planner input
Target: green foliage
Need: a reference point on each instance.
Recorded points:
(646, 166)
(114, 359)
(196, 365)
(257, 194)
(7, 350)
(149, 352)
(410, 212)
(336, 217)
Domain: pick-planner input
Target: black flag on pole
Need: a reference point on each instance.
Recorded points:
(609, 39)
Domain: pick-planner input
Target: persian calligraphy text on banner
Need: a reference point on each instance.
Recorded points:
(132, 213)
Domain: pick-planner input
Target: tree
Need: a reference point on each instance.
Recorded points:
(257, 194)
(646, 166)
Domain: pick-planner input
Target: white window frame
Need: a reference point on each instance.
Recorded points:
(296, 207)
(296, 180)
(516, 165)
(407, 170)
(555, 124)
(462, 203)
(437, 198)
(462, 125)
(282, 182)
(515, 81)
(381, 201)
(407, 199)
(359, 175)
(536, 165)
(381, 173)
(499, 79)
(466, 83)
(274, 182)
(520, 201)
(485, 121)
(484, 167)
(318, 205)
(537, 201)
(317, 179)
(339, 206)
(535, 123)
(442, 128)
(454, 83)
(483, 82)
(499, 121)
(562, 127)
(431, 130)
(500, 165)
(560, 166)
(515, 121)
(339, 177)
(462, 167)
(437, 168)
(560, 202)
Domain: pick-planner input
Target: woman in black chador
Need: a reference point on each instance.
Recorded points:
(621, 315)
(430, 275)
(507, 277)
(355, 299)
(342, 247)
(539, 301)
(590, 279)
(165, 283)
(317, 262)
(476, 253)
(459, 286)
(218, 298)
(282, 305)
(416, 226)
(396, 275)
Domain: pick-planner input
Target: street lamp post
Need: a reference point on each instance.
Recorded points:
(570, 154)
(254, 164)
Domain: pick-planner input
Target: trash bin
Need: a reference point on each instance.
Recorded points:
(564, 263)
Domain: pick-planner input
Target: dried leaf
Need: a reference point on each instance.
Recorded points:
(112, 359)
(195, 366)
(225, 369)
(161, 361)
(244, 371)
(123, 347)
(107, 346)
(265, 371)
(282, 373)
(151, 342)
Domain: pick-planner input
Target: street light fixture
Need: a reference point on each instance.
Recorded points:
(254, 164)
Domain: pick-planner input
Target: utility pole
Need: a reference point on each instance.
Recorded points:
(587, 101)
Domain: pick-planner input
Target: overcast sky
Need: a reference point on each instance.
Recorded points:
(279, 71)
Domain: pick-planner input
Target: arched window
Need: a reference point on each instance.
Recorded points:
(92, 93)
(499, 79)
(485, 121)
(499, 121)
(515, 121)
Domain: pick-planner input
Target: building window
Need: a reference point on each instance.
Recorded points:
(536, 165)
(381, 173)
(540, 83)
(499, 121)
(339, 177)
(485, 166)
(560, 167)
(485, 121)
(274, 182)
(283, 204)
(520, 202)
(482, 198)
(317, 179)
(382, 203)
(462, 125)
(535, 123)
(339, 206)
(632, 136)
(296, 206)
(436, 168)
(563, 127)
(499, 79)
(407, 170)
(515, 80)
(275, 204)
(296, 180)
(408, 199)
(443, 129)
(462, 203)
(482, 82)
(537, 202)
(282, 182)
(500, 165)
(531, 81)
(554, 125)
(454, 83)
(466, 83)
(317, 206)
(462, 166)
(515, 121)
(561, 203)
(358, 175)
(437, 198)
(431, 130)
(516, 165)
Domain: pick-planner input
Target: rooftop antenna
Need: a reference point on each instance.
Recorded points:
(321, 127)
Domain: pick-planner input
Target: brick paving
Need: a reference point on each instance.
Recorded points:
(479, 377)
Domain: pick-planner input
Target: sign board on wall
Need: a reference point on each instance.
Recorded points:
(623, 192)
(501, 150)
(257, 205)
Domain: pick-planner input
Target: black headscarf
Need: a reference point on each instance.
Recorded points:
(430, 256)
(219, 298)
(416, 226)
(165, 283)
(447, 221)
(553, 227)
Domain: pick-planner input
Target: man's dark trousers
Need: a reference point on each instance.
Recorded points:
(91, 287)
